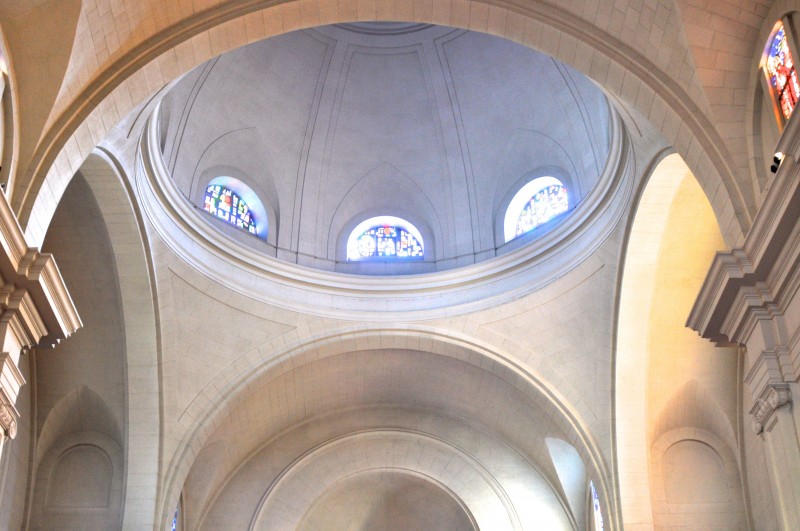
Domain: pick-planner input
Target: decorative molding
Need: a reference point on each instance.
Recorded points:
(748, 294)
(33, 286)
(10, 382)
(384, 298)
(35, 310)
(753, 279)
(773, 397)
(8, 421)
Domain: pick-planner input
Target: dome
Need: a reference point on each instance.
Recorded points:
(435, 126)
(395, 275)
(373, 160)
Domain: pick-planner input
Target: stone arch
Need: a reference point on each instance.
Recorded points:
(572, 475)
(204, 414)
(93, 459)
(692, 406)
(58, 20)
(636, 295)
(670, 202)
(719, 482)
(123, 220)
(674, 107)
(517, 481)
(273, 511)
(80, 410)
(419, 486)
(82, 429)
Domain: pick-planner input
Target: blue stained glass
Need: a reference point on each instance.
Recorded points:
(228, 206)
(781, 72)
(598, 516)
(175, 521)
(543, 206)
(389, 242)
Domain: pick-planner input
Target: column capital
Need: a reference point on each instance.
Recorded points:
(8, 421)
(773, 396)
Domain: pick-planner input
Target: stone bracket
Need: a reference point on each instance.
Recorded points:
(10, 382)
(773, 397)
(736, 290)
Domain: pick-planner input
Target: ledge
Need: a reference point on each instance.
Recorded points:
(415, 296)
(36, 274)
(765, 261)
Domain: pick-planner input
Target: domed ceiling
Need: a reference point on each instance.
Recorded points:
(331, 126)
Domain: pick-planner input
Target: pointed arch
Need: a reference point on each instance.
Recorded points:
(675, 233)
(111, 187)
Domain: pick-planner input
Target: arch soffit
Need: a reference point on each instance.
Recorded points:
(413, 474)
(371, 420)
(181, 47)
(124, 224)
(215, 404)
(61, 20)
(654, 196)
(694, 407)
(81, 410)
(426, 470)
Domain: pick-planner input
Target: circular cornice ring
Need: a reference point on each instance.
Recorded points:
(369, 298)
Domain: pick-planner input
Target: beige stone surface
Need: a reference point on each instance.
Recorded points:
(263, 385)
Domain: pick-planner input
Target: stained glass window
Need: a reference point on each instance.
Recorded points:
(537, 202)
(225, 204)
(543, 206)
(385, 237)
(780, 71)
(175, 521)
(598, 516)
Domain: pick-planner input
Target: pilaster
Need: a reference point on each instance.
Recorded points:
(750, 297)
(35, 310)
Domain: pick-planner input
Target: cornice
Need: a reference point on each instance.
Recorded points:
(753, 278)
(51, 297)
(33, 286)
(460, 290)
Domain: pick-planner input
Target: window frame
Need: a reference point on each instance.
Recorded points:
(591, 519)
(383, 220)
(519, 201)
(787, 21)
(250, 198)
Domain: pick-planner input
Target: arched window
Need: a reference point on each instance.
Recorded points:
(537, 202)
(778, 66)
(385, 238)
(597, 519)
(233, 201)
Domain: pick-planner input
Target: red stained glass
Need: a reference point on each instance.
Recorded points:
(226, 205)
(781, 73)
